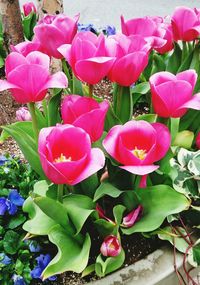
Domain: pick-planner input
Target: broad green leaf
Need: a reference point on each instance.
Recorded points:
(175, 59)
(106, 189)
(158, 63)
(77, 86)
(196, 253)
(118, 213)
(186, 62)
(41, 120)
(141, 88)
(53, 109)
(88, 270)
(11, 242)
(89, 185)
(79, 208)
(111, 119)
(104, 227)
(71, 256)
(194, 164)
(109, 265)
(16, 221)
(151, 118)
(123, 103)
(158, 202)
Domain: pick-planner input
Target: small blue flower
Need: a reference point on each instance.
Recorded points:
(34, 246)
(3, 160)
(110, 30)
(11, 208)
(42, 262)
(3, 206)
(86, 28)
(18, 280)
(4, 259)
(16, 198)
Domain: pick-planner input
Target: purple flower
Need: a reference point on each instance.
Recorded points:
(4, 259)
(16, 198)
(42, 262)
(86, 28)
(10, 204)
(18, 280)
(3, 206)
(109, 30)
(3, 160)
(34, 246)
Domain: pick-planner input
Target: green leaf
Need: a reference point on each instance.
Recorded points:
(23, 134)
(158, 202)
(123, 103)
(11, 242)
(77, 86)
(196, 253)
(89, 185)
(158, 63)
(118, 213)
(104, 227)
(106, 189)
(175, 59)
(88, 270)
(141, 88)
(16, 221)
(3, 136)
(111, 119)
(53, 109)
(28, 23)
(109, 265)
(71, 256)
(79, 208)
(174, 128)
(186, 62)
(151, 118)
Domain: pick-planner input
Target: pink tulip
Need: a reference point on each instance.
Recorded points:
(23, 114)
(87, 57)
(53, 31)
(185, 24)
(198, 140)
(28, 77)
(131, 55)
(28, 8)
(132, 217)
(26, 47)
(172, 94)
(146, 27)
(137, 145)
(66, 154)
(111, 246)
(168, 36)
(85, 113)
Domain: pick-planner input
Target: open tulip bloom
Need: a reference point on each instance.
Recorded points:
(103, 170)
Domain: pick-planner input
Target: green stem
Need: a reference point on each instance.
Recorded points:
(66, 71)
(184, 51)
(91, 87)
(31, 107)
(60, 193)
(119, 100)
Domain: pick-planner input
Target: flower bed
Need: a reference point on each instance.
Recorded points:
(104, 172)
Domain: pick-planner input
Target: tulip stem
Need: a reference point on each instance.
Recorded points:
(66, 71)
(60, 193)
(91, 88)
(31, 107)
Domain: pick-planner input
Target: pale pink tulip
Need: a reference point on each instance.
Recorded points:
(66, 154)
(87, 57)
(130, 219)
(172, 94)
(28, 77)
(137, 145)
(111, 246)
(85, 113)
(53, 31)
(28, 8)
(185, 24)
(26, 47)
(23, 114)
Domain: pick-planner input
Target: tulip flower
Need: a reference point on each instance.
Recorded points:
(137, 145)
(26, 47)
(110, 246)
(168, 36)
(53, 31)
(23, 114)
(132, 217)
(198, 140)
(172, 94)
(185, 24)
(146, 27)
(28, 77)
(87, 57)
(66, 154)
(28, 8)
(85, 113)
(131, 58)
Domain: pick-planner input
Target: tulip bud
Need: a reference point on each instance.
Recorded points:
(28, 8)
(111, 246)
(198, 140)
(102, 214)
(133, 217)
(23, 114)
(184, 139)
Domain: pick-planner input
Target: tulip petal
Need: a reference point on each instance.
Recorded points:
(92, 70)
(189, 76)
(37, 57)
(65, 50)
(57, 80)
(14, 60)
(140, 169)
(161, 77)
(4, 85)
(111, 141)
(193, 103)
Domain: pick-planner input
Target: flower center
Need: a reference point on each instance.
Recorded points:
(139, 153)
(63, 158)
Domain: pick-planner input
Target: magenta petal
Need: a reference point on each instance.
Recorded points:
(161, 77)
(4, 85)
(65, 50)
(193, 103)
(57, 80)
(37, 57)
(13, 60)
(93, 70)
(132, 217)
(111, 141)
(140, 169)
(189, 76)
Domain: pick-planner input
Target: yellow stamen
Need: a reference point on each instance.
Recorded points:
(63, 158)
(139, 153)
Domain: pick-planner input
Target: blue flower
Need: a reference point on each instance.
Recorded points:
(16, 198)
(4, 259)
(34, 246)
(86, 28)
(3, 206)
(18, 280)
(109, 30)
(42, 262)
(10, 204)
(3, 160)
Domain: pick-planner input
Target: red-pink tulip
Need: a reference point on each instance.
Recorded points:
(130, 219)
(137, 145)
(185, 24)
(131, 58)
(111, 246)
(85, 113)
(66, 154)
(28, 8)
(146, 27)
(26, 47)
(28, 77)
(53, 31)
(198, 140)
(87, 57)
(168, 36)
(23, 114)
(172, 94)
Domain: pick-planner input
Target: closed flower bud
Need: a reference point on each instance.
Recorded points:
(132, 217)
(111, 246)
